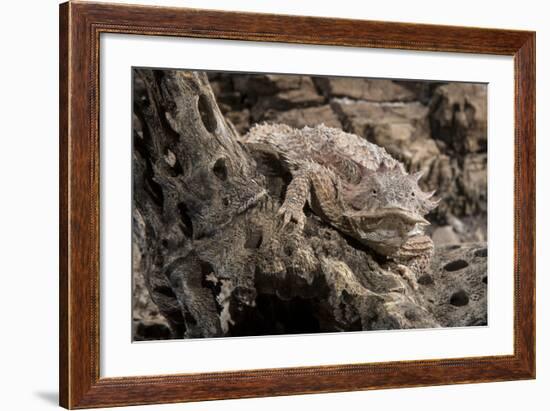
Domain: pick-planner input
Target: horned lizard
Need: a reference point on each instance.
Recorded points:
(353, 185)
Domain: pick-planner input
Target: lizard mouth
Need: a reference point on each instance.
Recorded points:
(393, 213)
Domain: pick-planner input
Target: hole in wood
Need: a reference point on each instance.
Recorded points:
(207, 113)
(220, 169)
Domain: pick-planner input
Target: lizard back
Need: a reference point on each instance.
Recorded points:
(344, 153)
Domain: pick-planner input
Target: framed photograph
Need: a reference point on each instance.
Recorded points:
(259, 205)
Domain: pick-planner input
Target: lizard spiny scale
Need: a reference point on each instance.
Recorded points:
(353, 185)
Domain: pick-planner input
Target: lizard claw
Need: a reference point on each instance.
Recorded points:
(408, 275)
(288, 215)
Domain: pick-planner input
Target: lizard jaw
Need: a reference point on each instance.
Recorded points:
(406, 216)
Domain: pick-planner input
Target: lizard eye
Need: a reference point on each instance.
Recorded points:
(374, 191)
(412, 194)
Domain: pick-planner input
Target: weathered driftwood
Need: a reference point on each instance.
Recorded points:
(216, 262)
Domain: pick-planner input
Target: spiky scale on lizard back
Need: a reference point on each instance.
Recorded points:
(352, 184)
(342, 152)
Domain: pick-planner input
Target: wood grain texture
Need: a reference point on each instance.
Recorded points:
(63, 205)
(525, 203)
(80, 27)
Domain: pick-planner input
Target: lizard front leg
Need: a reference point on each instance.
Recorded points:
(296, 196)
(319, 186)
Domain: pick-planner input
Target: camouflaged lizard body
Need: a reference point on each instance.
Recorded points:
(353, 185)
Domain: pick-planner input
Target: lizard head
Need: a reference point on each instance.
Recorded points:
(387, 204)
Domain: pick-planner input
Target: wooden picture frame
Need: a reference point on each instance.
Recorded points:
(80, 27)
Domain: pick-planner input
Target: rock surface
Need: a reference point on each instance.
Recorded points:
(378, 90)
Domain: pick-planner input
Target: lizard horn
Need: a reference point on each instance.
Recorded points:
(417, 176)
(429, 194)
(383, 166)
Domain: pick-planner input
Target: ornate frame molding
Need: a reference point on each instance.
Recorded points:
(80, 27)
